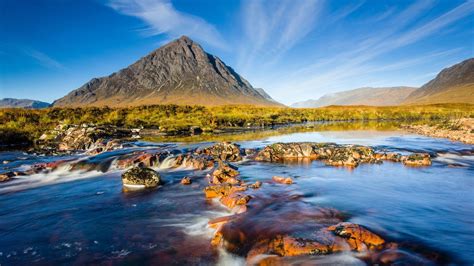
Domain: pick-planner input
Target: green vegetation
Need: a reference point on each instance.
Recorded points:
(174, 119)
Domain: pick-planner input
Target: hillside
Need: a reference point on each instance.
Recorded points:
(386, 96)
(454, 84)
(180, 72)
(22, 103)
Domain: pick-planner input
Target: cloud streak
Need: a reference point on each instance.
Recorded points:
(162, 17)
(272, 28)
(43, 59)
(340, 68)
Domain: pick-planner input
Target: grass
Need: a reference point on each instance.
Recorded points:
(22, 124)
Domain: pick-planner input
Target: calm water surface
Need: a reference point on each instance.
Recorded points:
(85, 218)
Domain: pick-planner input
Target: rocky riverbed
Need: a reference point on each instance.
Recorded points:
(457, 130)
(249, 203)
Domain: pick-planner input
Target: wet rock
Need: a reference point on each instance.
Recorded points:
(358, 237)
(221, 190)
(225, 173)
(143, 159)
(84, 137)
(141, 178)
(283, 180)
(198, 162)
(234, 199)
(331, 154)
(7, 176)
(225, 151)
(417, 159)
(186, 181)
(255, 185)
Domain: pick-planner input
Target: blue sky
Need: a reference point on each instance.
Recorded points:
(294, 49)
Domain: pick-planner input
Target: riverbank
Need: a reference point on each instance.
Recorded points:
(21, 126)
(455, 129)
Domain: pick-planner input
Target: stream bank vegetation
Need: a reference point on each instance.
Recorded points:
(26, 125)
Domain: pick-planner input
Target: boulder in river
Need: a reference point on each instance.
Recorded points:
(225, 151)
(186, 180)
(4, 177)
(358, 237)
(283, 180)
(417, 159)
(138, 177)
(225, 173)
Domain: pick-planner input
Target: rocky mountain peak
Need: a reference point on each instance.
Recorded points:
(180, 72)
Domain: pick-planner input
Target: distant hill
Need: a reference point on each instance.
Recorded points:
(454, 84)
(363, 96)
(22, 103)
(180, 72)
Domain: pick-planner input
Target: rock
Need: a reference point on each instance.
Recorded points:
(7, 176)
(138, 177)
(225, 151)
(221, 190)
(332, 154)
(417, 159)
(234, 199)
(255, 185)
(198, 162)
(357, 237)
(195, 130)
(283, 180)
(225, 173)
(186, 181)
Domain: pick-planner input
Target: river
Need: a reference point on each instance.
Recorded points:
(85, 217)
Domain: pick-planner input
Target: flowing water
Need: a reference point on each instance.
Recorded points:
(83, 216)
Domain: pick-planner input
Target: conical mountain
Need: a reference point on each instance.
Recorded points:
(180, 72)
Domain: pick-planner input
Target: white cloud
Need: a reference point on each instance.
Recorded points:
(162, 17)
(337, 70)
(43, 59)
(271, 28)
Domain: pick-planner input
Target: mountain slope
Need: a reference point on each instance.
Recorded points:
(22, 103)
(454, 84)
(180, 72)
(363, 96)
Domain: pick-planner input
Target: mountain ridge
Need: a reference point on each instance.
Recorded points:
(454, 84)
(378, 96)
(22, 103)
(180, 72)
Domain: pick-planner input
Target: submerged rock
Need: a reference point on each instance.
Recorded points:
(283, 180)
(138, 177)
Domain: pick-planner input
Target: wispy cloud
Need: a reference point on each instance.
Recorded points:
(43, 59)
(162, 17)
(273, 27)
(339, 68)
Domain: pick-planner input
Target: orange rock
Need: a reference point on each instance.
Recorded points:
(186, 180)
(283, 180)
(417, 159)
(357, 236)
(290, 246)
(234, 199)
(217, 191)
(256, 185)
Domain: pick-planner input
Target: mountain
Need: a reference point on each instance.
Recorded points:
(454, 84)
(22, 103)
(180, 72)
(363, 96)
